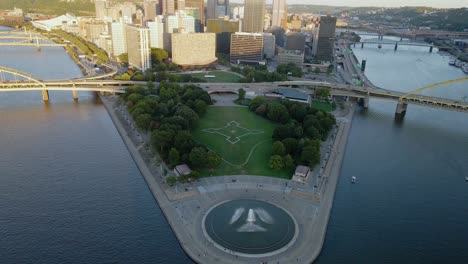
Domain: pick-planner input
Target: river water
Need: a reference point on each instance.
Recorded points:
(70, 192)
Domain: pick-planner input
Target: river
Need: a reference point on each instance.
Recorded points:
(70, 192)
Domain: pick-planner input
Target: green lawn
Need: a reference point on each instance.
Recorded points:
(221, 77)
(241, 138)
(322, 106)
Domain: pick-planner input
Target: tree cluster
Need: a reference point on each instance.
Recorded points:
(292, 68)
(170, 112)
(85, 47)
(258, 74)
(297, 138)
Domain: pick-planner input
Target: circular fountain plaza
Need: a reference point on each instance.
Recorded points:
(250, 228)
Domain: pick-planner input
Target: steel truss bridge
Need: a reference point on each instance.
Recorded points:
(20, 81)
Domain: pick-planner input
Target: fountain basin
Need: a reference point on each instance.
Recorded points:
(252, 228)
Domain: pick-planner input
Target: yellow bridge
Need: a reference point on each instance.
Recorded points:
(20, 81)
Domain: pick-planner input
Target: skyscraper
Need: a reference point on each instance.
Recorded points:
(217, 8)
(180, 5)
(254, 16)
(119, 40)
(200, 5)
(156, 29)
(168, 7)
(101, 8)
(324, 38)
(150, 7)
(138, 46)
(280, 13)
(246, 47)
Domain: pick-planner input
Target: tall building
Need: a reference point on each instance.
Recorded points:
(138, 46)
(186, 23)
(324, 39)
(246, 48)
(193, 49)
(217, 8)
(156, 29)
(101, 8)
(200, 5)
(180, 5)
(254, 16)
(119, 39)
(150, 7)
(195, 13)
(223, 29)
(167, 7)
(295, 41)
(280, 13)
(269, 45)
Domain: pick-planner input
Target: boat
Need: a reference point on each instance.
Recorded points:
(466, 178)
(353, 179)
(458, 63)
(452, 61)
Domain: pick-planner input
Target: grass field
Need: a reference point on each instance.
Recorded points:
(322, 106)
(221, 77)
(241, 138)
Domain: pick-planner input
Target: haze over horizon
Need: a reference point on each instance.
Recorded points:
(382, 3)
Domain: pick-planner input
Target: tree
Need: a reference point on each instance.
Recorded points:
(135, 98)
(171, 180)
(288, 161)
(283, 132)
(276, 162)
(162, 139)
(143, 121)
(317, 70)
(278, 113)
(278, 148)
(174, 157)
(241, 94)
(183, 142)
(197, 157)
(322, 93)
(213, 160)
(150, 86)
(330, 69)
(125, 77)
(290, 145)
(200, 107)
(310, 155)
(188, 114)
(158, 55)
(123, 58)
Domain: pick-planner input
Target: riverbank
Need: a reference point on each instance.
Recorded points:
(185, 209)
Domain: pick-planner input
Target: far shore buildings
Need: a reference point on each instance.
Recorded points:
(67, 22)
(138, 46)
(246, 48)
(280, 14)
(193, 49)
(291, 56)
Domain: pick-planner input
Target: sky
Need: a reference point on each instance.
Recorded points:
(386, 3)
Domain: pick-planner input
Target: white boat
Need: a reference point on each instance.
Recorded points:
(466, 178)
(465, 68)
(353, 179)
(458, 63)
(452, 61)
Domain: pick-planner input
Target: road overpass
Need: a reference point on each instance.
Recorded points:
(25, 82)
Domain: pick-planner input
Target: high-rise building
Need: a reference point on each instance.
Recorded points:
(195, 13)
(295, 41)
(180, 5)
(246, 48)
(156, 29)
(119, 39)
(138, 46)
(193, 49)
(168, 7)
(186, 23)
(223, 29)
(324, 39)
(254, 16)
(150, 7)
(269, 45)
(101, 8)
(280, 13)
(200, 5)
(217, 8)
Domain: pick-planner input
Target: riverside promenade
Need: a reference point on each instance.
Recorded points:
(185, 206)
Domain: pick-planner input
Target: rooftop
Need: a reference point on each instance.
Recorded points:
(292, 94)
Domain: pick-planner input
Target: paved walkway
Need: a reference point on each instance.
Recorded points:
(185, 205)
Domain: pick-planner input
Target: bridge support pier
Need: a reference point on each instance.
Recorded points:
(396, 46)
(363, 65)
(45, 95)
(75, 95)
(430, 49)
(365, 102)
(362, 45)
(400, 111)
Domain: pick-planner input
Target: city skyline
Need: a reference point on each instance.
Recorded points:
(378, 3)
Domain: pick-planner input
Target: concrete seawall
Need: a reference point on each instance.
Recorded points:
(179, 208)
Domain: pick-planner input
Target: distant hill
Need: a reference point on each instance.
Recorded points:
(50, 7)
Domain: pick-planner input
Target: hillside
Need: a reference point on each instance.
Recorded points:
(50, 7)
